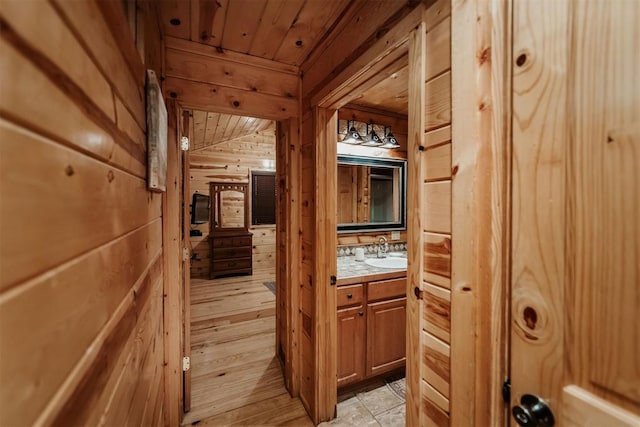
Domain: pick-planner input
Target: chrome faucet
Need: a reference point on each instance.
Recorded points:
(383, 247)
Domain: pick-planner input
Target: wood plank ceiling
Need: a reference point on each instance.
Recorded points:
(281, 30)
(210, 129)
(391, 94)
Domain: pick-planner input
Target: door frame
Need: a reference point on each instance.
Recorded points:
(481, 91)
(362, 74)
(174, 308)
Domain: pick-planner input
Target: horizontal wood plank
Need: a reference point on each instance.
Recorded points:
(63, 183)
(437, 217)
(204, 96)
(437, 311)
(436, 364)
(438, 105)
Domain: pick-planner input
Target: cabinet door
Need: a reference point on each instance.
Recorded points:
(386, 335)
(351, 344)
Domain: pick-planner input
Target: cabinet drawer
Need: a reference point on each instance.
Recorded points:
(242, 241)
(223, 242)
(349, 295)
(231, 252)
(231, 264)
(387, 289)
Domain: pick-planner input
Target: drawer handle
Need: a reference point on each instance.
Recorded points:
(361, 313)
(349, 296)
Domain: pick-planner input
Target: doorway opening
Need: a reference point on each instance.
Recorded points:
(231, 304)
(371, 226)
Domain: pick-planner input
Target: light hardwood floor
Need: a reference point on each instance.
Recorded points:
(236, 378)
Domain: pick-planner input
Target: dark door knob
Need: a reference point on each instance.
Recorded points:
(532, 412)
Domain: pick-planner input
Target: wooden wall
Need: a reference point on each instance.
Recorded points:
(233, 161)
(436, 218)
(81, 277)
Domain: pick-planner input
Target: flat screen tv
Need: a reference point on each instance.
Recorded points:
(199, 208)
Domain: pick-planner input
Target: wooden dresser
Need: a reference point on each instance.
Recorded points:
(231, 253)
(230, 240)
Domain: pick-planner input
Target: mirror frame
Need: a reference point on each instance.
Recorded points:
(378, 162)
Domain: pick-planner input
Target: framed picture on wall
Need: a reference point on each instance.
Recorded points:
(156, 136)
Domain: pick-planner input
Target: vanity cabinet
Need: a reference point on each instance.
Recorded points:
(370, 329)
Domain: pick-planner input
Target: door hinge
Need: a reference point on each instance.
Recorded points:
(185, 254)
(506, 391)
(186, 363)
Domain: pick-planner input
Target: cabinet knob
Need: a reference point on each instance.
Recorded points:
(349, 296)
(361, 313)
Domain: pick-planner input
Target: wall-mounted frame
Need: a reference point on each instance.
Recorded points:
(156, 135)
(381, 206)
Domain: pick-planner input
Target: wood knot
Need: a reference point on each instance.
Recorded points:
(484, 55)
(530, 318)
(298, 43)
(110, 176)
(454, 170)
(69, 170)
(175, 22)
(173, 94)
(521, 59)
(236, 104)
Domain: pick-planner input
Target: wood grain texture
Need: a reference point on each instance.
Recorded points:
(436, 360)
(82, 302)
(415, 410)
(537, 270)
(233, 348)
(437, 215)
(437, 312)
(431, 406)
(480, 206)
(438, 107)
(173, 304)
(603, 189)
(325, 241)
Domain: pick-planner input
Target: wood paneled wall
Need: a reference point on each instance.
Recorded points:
(436, 218)
(204, 78)
(233, 161)
(81, 276)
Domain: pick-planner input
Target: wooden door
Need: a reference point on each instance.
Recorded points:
(186, 263)
(351, 329)
(385, 335)
(575, 302)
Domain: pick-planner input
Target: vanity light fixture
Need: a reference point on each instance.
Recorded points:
(372, 139)
(353, 137)
(390, 141)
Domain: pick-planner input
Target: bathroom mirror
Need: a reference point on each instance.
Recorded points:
(371, 194)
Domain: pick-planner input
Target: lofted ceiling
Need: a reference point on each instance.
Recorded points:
(208, 129)
(282, 30)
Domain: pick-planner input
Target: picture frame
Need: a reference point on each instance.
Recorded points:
(156, 135)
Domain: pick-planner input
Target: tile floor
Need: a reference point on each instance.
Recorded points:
(374, 405)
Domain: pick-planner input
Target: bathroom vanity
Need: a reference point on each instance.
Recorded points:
(371, 310)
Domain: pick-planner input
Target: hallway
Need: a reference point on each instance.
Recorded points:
(236, 378)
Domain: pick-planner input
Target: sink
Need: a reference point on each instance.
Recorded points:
(390, 262)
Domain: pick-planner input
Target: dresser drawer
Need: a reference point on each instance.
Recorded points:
(231, 264)
(350, 295)
(242, 241)
(383, 289)
(224, 242)
(231, 252)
